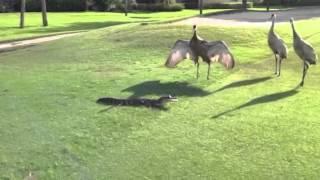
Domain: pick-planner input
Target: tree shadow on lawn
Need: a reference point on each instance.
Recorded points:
(246, 82)
(74, 27)
(261, 100)
(158, 88)
(140, 17)
(77, 26)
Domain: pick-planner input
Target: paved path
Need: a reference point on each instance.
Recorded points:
(31, 42)
(234, 19)
(254, 18)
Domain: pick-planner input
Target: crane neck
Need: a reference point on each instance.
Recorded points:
(295, 34)
(272, 24)
(195, 36)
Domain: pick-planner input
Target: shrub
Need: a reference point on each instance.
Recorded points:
(231, 5)
(66, 5)
(146, 1)
(7, 5)
(156, 1)
(228, 5)
(55, 5)
(110, 5)
(174, 7)
(160, 7)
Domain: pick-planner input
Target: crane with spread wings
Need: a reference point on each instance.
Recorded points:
(214, 51)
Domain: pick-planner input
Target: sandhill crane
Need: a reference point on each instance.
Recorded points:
(30, 177)
(215, 51)
(304, 50)
(277, 46)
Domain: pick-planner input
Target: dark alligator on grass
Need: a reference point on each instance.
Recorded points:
(150, 103)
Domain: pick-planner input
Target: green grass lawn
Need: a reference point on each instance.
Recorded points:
(62, 22)
(241, 124)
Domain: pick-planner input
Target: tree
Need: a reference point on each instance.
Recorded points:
(268, 5)
(200, 6)
(168, 2)
(244, 4)
(22, 11)
(44, 13)
(126, 7)
(43, 9)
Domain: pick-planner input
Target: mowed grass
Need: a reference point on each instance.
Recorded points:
(241, 124)
(65, 22)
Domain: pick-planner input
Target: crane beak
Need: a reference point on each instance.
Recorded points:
(168, 65)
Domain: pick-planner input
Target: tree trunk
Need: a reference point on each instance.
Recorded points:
(244, 4)
(268, 5)
(22, 11)
(44, 12)
(200, 6)
(87, 5)
(126, 7)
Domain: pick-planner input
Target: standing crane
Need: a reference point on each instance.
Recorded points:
(304, 50)
(215, 51)
(277, 46)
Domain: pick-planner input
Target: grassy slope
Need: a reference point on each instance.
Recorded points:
(51, 125)
(61, 22)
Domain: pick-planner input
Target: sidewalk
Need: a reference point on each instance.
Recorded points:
(31, 42)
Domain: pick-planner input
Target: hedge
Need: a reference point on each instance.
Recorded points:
(146, 1)
(56, 5)
(233, 5)
(159, 7)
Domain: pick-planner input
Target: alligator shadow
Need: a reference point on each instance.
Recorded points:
(158, 88)
(261, 100)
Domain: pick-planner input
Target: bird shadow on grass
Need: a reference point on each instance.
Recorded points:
(158, 88)
(247, 82)
(119, 106)
(165, 88)
(261, 100)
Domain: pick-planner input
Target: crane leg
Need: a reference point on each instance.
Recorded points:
(197, 64)
(305, 69)
(276, 64)
(208, 73)
(279, 71)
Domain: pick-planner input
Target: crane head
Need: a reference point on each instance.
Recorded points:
(194, 27)
(291, 20)
(273, 16)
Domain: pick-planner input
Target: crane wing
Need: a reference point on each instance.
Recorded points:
(218, 51)
(309, 52)
(180, 51)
